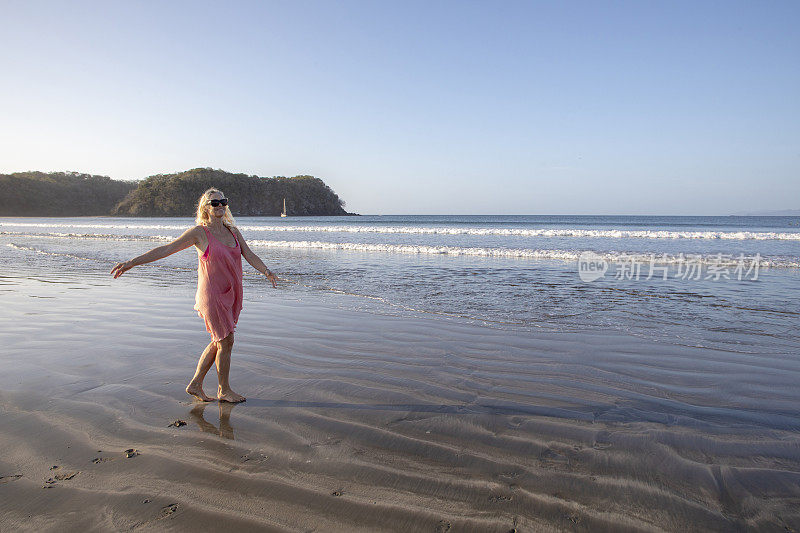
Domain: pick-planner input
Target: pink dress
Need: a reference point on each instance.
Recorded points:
(219, 286)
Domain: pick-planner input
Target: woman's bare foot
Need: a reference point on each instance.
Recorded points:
(196, 390)
(229, 396)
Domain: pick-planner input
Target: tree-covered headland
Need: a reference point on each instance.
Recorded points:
(60, 194)
(163, 195)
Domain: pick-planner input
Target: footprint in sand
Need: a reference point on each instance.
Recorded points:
(602, 440)
(443, 526)
(515, 422)
(552, 456)
(66, 476)
(168, 510)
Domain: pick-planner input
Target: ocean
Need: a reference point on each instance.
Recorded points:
(722, 282)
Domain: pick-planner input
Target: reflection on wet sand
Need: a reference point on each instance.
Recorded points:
(358, 421)
(225, 428)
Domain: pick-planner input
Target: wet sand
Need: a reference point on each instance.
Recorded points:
(357, 421)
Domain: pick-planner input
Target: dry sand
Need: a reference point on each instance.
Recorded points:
(357, 421)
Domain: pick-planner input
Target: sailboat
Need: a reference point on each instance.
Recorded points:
(283, 214)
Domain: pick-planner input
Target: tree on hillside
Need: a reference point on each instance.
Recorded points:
(60, 194)
(177, 194)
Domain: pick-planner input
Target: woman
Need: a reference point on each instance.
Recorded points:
(220, 248)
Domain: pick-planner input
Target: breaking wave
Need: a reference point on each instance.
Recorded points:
(498, 252)
(446, 230)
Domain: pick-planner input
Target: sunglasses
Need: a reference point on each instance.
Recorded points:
(217, 203)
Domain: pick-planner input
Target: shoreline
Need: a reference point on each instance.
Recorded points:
(360, 421)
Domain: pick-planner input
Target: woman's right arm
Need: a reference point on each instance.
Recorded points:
(189, 237)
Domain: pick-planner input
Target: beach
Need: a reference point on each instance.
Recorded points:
(361, 422)
(365, 414)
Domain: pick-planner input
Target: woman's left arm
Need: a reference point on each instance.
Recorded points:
(254, 260)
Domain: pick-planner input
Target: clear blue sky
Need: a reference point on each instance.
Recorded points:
(420, 107)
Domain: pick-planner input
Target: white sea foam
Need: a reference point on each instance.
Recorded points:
(500, 252)
(92, 226)
(446, 230)
(98, 236)
(526, 253)
(538, 232)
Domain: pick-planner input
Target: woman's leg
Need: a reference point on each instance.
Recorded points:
(224, 392)
(205, 363)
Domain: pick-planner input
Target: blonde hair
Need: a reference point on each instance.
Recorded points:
(203, 217)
